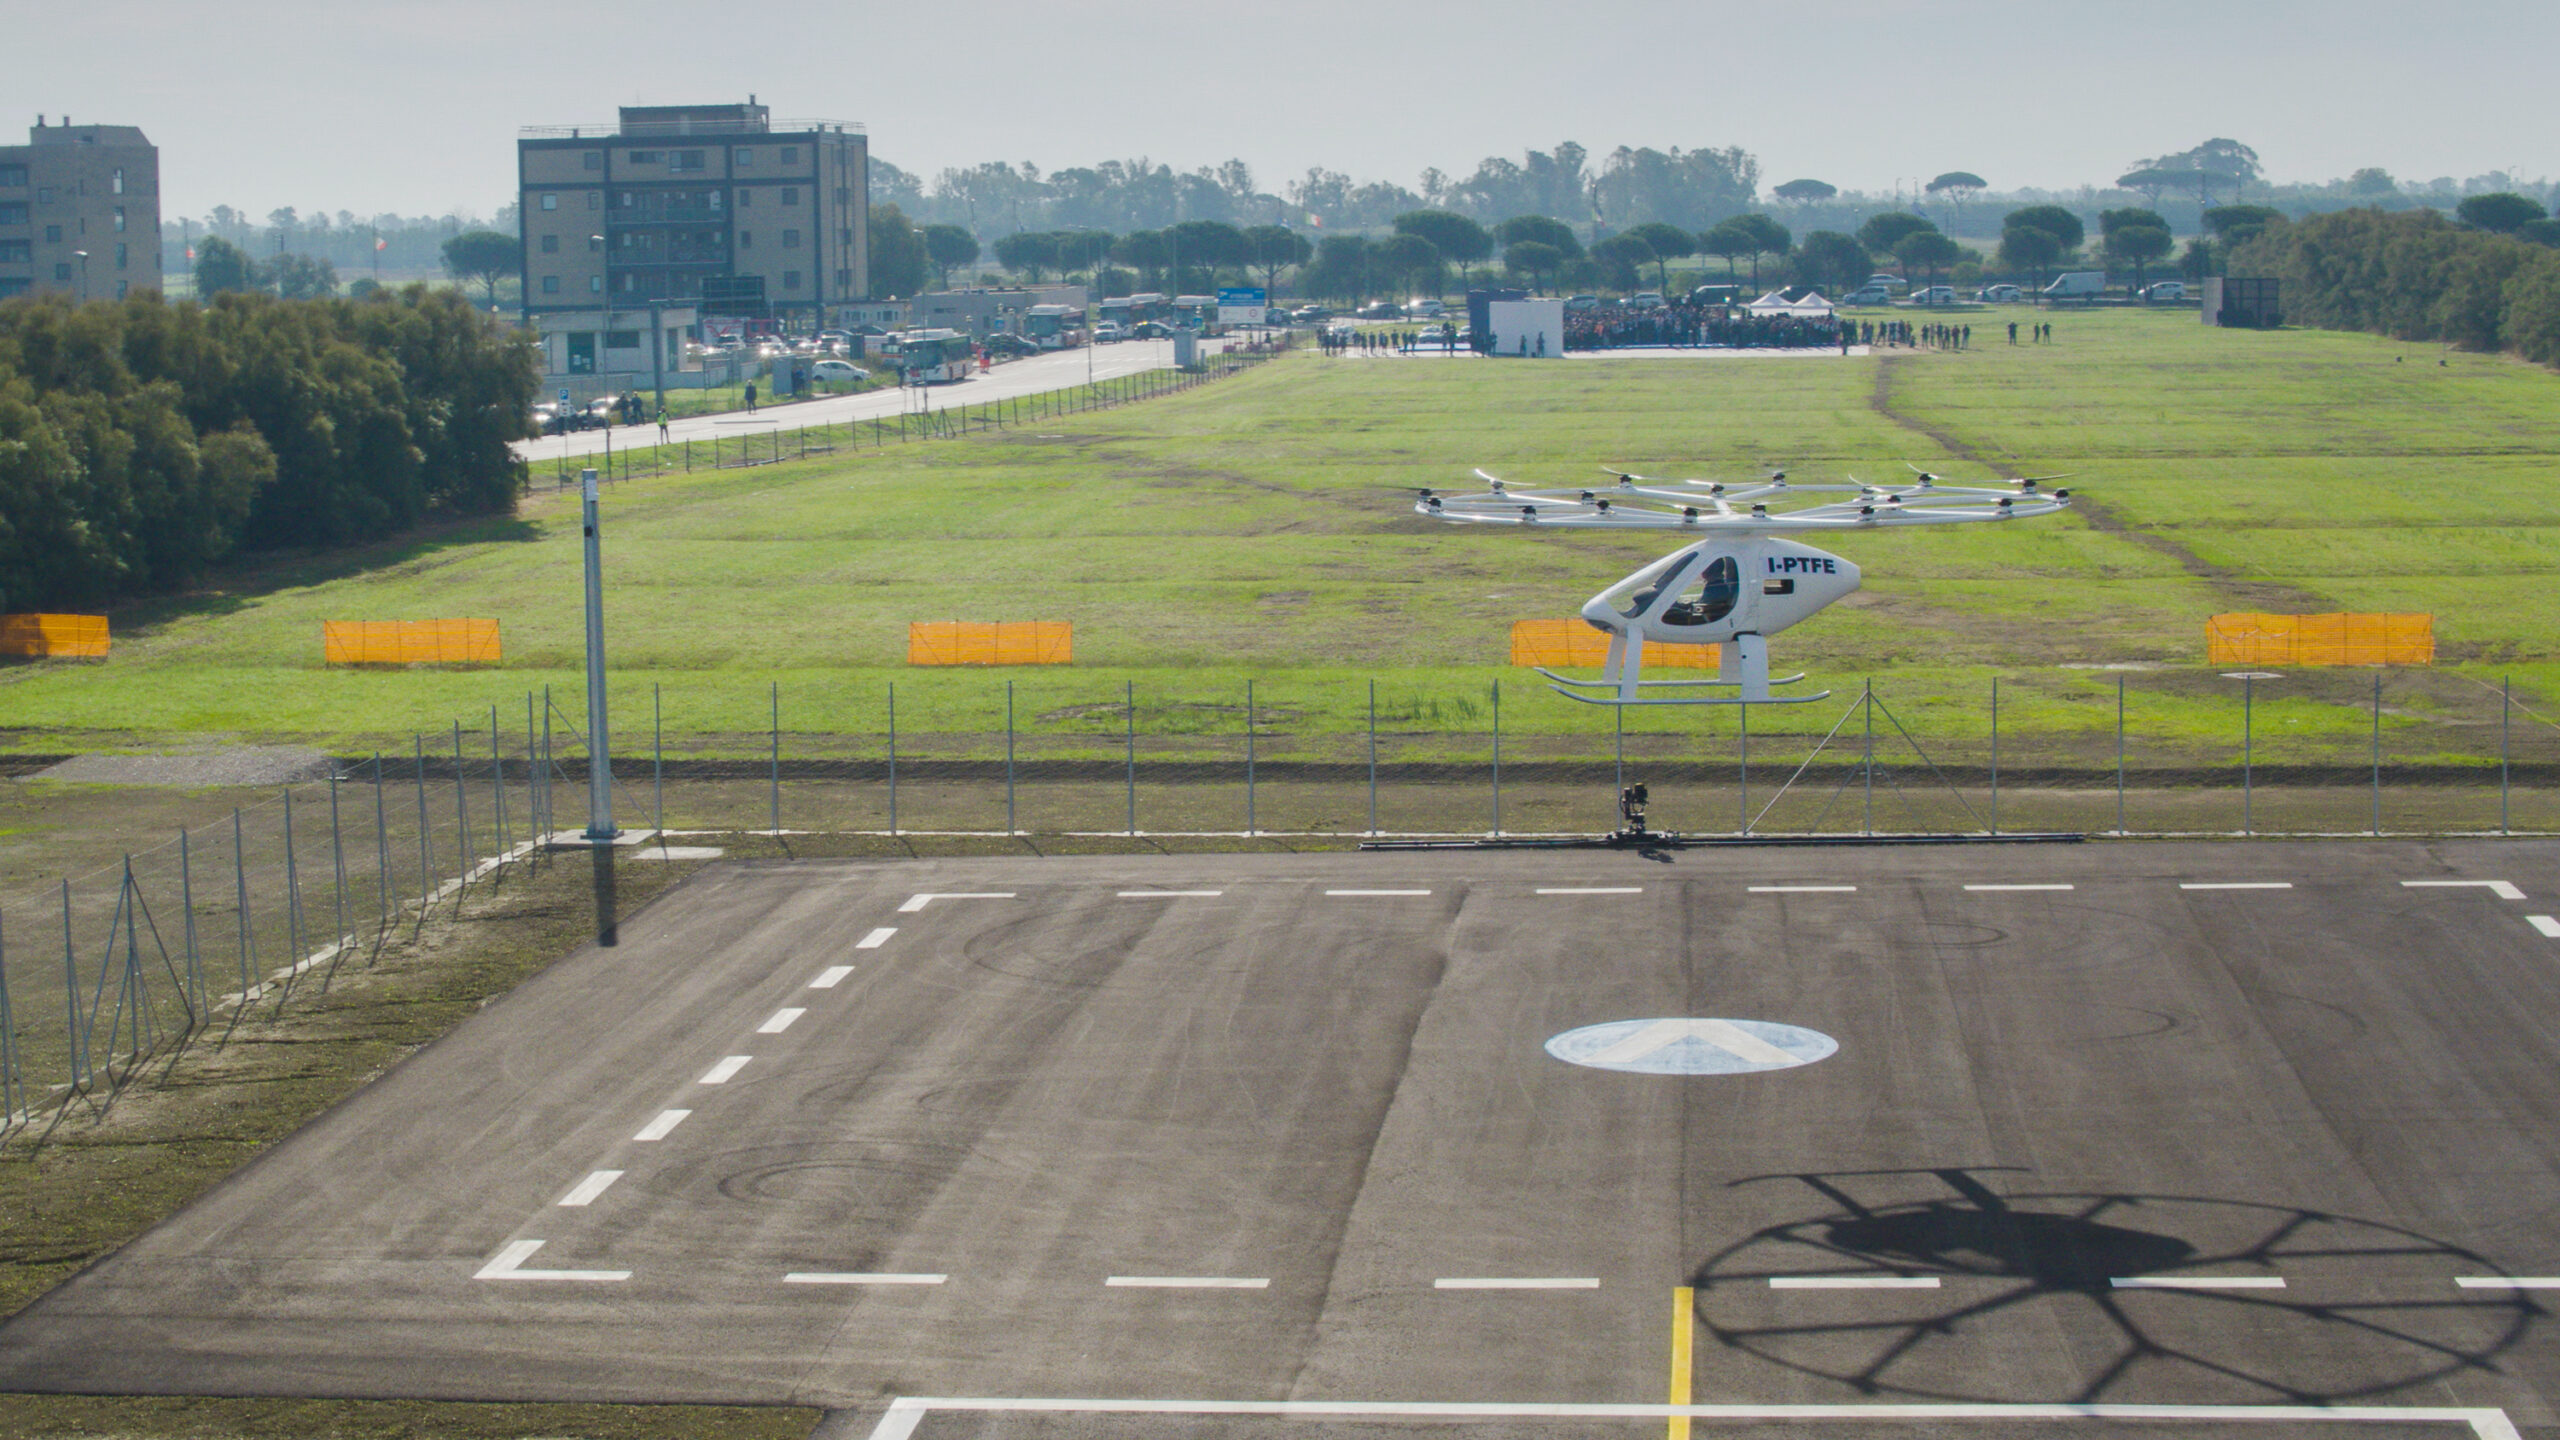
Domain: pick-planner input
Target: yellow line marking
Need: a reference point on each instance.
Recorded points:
(1684, 1325)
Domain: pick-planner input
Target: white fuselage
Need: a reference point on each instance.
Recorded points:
(1721, 588)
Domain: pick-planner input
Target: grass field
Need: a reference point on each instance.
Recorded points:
(1257, 527)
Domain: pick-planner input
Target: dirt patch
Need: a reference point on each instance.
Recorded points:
(198, 768)
(2238, 591)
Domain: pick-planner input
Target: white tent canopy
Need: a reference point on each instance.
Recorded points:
(1811, 307)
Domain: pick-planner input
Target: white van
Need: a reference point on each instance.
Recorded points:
(1934, 295)
(1870, 293)
(2077, 285)
(1424, 309)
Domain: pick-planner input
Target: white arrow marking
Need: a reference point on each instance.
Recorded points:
(2504, 890)
(918, 902)
(509, 1263)
(1722, 1034)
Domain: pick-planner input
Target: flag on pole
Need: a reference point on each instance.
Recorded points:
(381, 244)
(191, 252)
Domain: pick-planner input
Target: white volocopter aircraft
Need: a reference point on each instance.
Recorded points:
(1740, 583)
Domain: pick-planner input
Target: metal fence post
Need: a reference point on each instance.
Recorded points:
(1008, 758)
(1867, 704)
(337, 855)
(2119, 754)
(13, 1091)
(195, 964)
(2506, 687)
(426, 881)
(1373, 755)
(546, 760)
(1497, 757)
(381, 842)
(1995, 754)
(497, 781)
(240, 880)
(1249, 822)
(2248, 751)
(1744, 712)
(292, 887)
(893, 757)
(2377, 753)
(1129, 713)
(658, 761)
(774, 779)
(71, 988)
(536, 822)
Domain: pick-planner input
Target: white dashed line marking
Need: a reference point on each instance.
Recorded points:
(1188, 1282)
(1171, 894)
(2017, 887)
(1806, 889)
(596, 1183)
(720, 1074)
(2198, 1282)
(1377, 892)
(1520, 1282)
(877, 938)
(2235, 884)
(2507, 1282)
(659, 1128)
(509, 1265)
(2549, 927)
(780, 1021)
(1853, 1282)
(859, 1277)
(918, 902)
(2504, 890)
(1591, 890)
(831, 977)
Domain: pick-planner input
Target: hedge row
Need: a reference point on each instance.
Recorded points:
(2413, 275)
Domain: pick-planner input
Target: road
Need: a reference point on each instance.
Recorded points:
(1028, 376)
(2179, 1124)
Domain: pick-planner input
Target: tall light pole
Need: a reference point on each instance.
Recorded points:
(599, 737)
(84, 275)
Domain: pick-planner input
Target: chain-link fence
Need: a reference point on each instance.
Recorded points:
(226, 926)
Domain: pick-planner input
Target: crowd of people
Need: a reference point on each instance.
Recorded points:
(1610, 327)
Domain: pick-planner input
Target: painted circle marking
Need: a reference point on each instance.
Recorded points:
(1687, 1046)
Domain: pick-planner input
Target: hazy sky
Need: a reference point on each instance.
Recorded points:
(411, 106)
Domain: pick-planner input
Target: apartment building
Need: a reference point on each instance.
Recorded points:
(718, 207)
(80, 212)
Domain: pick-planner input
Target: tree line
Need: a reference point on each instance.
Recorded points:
(143, 441)
(2483, 280)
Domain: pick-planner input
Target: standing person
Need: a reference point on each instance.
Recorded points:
(2013, 332)
(751, 397)
(662, 424)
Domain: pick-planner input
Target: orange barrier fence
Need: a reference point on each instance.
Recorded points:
(53, 635)
(2346, 639)
(1007, 642)
(1554, 643)
(410, 642)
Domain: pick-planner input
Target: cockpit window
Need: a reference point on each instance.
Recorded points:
(1714, 597)
(1650, 587)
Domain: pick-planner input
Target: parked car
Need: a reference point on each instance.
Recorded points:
(1011, 345)
(1581, 302)
(1892, 283)
(1868, 294)
(1934, 295)
(1424, 309)
(1644, 300)
(1151, 330)
(1109, 332)
(1380, 310)
(838, 372)
(2166, 290)
(1310, 314)
(1999, 294)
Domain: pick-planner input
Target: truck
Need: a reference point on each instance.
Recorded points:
(2077, 285)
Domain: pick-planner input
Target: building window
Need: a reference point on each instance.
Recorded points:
(790, 194)
(550, 284)
(44, 194)
(595, 199)
(119, 219)
(844, 279)
(790, 239)
(16, 252)
(746, 239)
(550, 244)
(118, 180)
(645, 157)
(684, 160)
(15, 213)
(790, 279)
(746, 198)
(121, 287)
(745, 158)
(62, 270)
(550, 202)
(594, 159)
(595, 243)
(595, 284)
(120, 255)
(18, 286)
(13, 177)
(622, 339)
(790, 154)
(53, 234)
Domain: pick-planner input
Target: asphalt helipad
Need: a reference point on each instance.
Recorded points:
(2244, 1128)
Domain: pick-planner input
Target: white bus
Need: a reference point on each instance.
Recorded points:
(1054, 327)
(935, 357)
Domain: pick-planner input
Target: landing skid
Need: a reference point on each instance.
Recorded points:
(1698, 700)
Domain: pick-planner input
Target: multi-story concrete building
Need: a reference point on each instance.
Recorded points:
(80, 212)
(718, 207)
